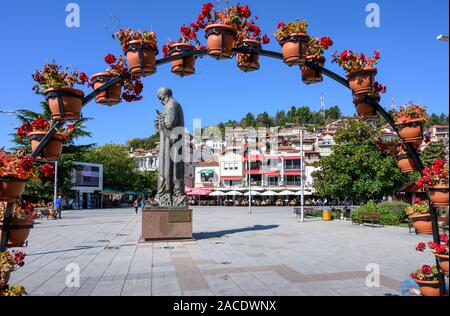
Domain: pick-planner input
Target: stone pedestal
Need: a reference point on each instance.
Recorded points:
(166, 223)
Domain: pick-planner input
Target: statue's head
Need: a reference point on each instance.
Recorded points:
(164, 94)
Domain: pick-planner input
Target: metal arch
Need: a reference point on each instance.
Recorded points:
(265, 53)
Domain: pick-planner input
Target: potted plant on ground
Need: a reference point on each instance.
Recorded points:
(141, 50)
(188, 42)
(409, 122)
(360, 70)
(316, 49)
(132, 84)
(222, 27)
(9, 262)
(57, 85)
(293, 39)
(15, 169)
(439, 250)
(427, 279)
(435, 179)
(420, 215)
(21, 223)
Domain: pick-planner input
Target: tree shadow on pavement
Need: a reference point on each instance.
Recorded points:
(222, 233)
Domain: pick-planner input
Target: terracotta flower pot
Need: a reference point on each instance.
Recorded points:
(148, 53)
(249, 62)
(186, 66)
(295, 49)
(422, 224)
(411, 131)
(443, 263)
(11, 189)
(19, 232)
(110, 96)
(361, 81)
(429, 288)
(364, 109)
(221, 39)
(439, 195)
(405, 162)
(72, 102)
(52, 151)
(310, 75)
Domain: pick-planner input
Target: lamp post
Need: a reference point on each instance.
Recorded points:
(443, 38)
(302, 179)
(55, 188)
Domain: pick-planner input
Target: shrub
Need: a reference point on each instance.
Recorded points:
(398, 207)
(392, 213)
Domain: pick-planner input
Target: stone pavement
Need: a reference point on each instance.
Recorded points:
(235, 254)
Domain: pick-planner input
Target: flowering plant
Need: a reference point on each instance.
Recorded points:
(438, 249)
(250, 30)
(426, 273)
(41, 125)
(318, 46)
(133, 86)
(127, 35)
(17, 165)
(233, 16)
(54, 76)
(22, 210)
(9, 261)
(47, 170)
(410, 112)
(188, 36)
(15, 290)
(388, 143)
(351, 61)
(434, 176)
(419, 208)
(285, 30)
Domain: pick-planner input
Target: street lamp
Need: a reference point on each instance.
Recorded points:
(443, 38)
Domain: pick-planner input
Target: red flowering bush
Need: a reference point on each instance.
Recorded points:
(233, 16)
(188, 35)
(133, 86)
(9, 262)
(438, 249)
(351, 61)
(434, 176)
(410, 112)
(41, 125)
(54, 76)
(17, 165)
(47, 170)
(127, 35)
(22, 210)
(318, 46)
(426, 273)
(291, 28)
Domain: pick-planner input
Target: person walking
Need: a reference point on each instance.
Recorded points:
(58, 207)
(136, 206)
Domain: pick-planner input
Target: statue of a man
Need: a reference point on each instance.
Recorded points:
(170, 125)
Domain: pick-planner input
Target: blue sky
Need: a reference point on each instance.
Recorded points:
(414, 64)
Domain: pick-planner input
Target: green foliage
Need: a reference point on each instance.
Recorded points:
(434, 151)
(392, 213)
(144, 143)
(397, 207)
(357, 169)
(436, 119)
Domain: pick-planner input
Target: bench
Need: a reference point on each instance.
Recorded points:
(307, 211)
(367, 217)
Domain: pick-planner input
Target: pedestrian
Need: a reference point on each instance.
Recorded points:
(136, 206)
(58, 207)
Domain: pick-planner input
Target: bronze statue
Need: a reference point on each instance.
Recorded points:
(170, 125)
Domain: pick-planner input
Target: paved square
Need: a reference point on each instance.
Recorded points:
(235, 253)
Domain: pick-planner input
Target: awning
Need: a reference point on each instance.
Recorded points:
(109, 191)
(286, 193)
(292, 157)
(208, 173)
(269, 193)
(307, 193)
(231, 178)
(234, 193)
(217, 193)
(273, 173)
(254, 193)
(200, 192)
(292, 173)
(253, 172)
(253, 158)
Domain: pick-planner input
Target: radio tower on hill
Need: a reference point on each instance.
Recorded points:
(322, 105)
(393, 105)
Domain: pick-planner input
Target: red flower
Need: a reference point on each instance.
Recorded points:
(26, 164)
(439, 163)
(417, 201)
(421, 247)
(326, 42)
(281, 24)
(244, 12)
(377, 54)
(138, 86)
(47, 170)
(266, 39)
(444, 238)
(83, 77)
(40, 124)
(426, 269)
(110, 59)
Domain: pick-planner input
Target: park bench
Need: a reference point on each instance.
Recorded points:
(307, 211)
(372, 218)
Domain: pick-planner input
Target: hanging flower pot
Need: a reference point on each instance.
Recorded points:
(221, 39)
(405, 161)
(11, 189)
(362, 81)
(311, 75)
(141, 56)
(429, 288)
(249, 62)
(363, 106)
(439, 195)
(295, 49)
(410, 130)
(443, 263)
(185, 66)
(65, 103)
(19, 232)
(422, 223)
(52, 150)
(110, 96)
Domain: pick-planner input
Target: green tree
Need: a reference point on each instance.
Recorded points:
(265, 120)
(333, 113)
(248, 121)
(280, 118)
(357, 169)
(433, 151)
